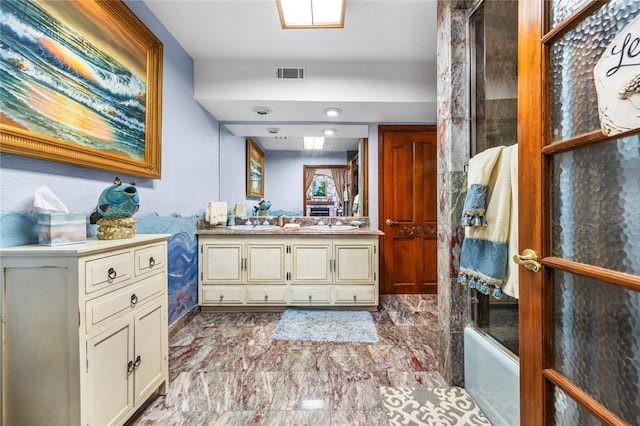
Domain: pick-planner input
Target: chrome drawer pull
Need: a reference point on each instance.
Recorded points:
(138, 362)
(112, 274)
(134, 299)
(130, 367)
(152, 262)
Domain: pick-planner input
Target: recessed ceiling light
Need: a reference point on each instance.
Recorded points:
(261, 110)
(330, 132)
(333, 112)
(311, 14)
(273, 130)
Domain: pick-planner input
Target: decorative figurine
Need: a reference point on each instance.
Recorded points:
(116, 204)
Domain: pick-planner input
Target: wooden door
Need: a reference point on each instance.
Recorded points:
(150, 346)
(579, 198)
(311, 262)
(265, 262)
(354, 262)
(109, 375)
(408, 208)
(222, 261)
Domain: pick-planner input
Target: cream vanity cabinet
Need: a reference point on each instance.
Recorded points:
(84, 327)
(301, 270)
(239, 271)
(341, 270)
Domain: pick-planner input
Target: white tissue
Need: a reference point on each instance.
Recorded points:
(47, 201)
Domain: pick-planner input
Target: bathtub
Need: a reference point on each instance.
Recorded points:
(492, 377)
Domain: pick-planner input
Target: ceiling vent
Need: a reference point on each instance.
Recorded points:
(290, 74)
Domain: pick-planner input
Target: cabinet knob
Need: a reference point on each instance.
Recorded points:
(309, 298)
(221, 297)
(138, 361)
(266, 296)
(112, 274)
(152, 262)
(134, 299)
(130, 367)
(355, 298)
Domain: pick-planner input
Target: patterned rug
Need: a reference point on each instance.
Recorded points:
(426, 406)
(326, 326)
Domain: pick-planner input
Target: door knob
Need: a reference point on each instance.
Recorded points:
(528, 259)
(392, 222)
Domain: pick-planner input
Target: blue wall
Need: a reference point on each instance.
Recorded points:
(190, 139)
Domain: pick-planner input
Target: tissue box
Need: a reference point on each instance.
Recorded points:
(57, 229)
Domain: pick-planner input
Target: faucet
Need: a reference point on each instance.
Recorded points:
(280, 220)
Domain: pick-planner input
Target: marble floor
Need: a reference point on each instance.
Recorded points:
(226, 370)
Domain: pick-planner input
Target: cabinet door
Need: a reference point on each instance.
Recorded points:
(109, 381)
(150, 349)
(354, 263)
(222, 263)
(265, 262)
(311, 262)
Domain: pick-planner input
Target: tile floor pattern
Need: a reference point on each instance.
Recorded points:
(225, 370)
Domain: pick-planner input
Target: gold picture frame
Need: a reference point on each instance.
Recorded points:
(255, 170)
(88, 91)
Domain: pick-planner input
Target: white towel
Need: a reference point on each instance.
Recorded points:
(485, 249)
(481, 167)
(511, 287)
(217, 212)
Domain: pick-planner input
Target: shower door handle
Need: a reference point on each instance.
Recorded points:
(528, 259)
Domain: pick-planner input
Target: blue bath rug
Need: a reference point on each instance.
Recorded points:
(326, 326)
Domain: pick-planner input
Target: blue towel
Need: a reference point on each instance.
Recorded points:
(485, 249)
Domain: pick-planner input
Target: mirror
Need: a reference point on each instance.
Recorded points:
(284, 166)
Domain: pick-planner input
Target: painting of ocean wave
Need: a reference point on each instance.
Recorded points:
(69, 73)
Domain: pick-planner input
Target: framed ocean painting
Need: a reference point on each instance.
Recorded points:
(255, 170)
(81, 84)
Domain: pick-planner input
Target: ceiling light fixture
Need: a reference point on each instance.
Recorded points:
(330, 132)
(313, 143)
(261, 110)
(311, 13)
(333, 112)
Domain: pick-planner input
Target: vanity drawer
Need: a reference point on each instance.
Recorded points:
(103, 309)
(355, 295)
(214, 295)
(149, 259)
(310, 296)
(266, 295)
(107, 271)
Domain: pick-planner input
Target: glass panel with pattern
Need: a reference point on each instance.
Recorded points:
(561, 9)
(573, 106)
(596, 205)
(597, 341)
(567, 412)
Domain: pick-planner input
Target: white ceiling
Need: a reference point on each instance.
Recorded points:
(379, 68)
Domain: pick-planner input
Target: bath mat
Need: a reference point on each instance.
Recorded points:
(326, 326)
(431, 406)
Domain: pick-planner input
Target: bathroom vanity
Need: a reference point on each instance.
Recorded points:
(272, 268)
(84, 326)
